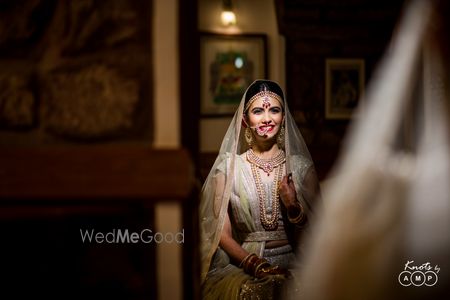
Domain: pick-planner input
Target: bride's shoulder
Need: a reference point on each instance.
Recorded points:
(243, 156)
(224, 160)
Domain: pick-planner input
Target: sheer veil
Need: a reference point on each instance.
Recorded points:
(216, 190)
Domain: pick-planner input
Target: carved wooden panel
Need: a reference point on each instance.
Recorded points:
(75, 70)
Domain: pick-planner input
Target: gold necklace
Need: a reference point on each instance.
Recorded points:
(267, 165)
(268, 222)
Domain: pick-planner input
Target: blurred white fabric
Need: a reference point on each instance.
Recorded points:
(388, 203)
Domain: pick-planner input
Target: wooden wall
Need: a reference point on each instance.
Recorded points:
(49, 194)
(75, 71)
(319, 29)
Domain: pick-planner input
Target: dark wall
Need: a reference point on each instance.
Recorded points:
(75, 133)
(75, 71)
(316, 30)
(50, 196)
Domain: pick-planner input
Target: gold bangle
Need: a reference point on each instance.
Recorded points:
(245, 259)
(253, 263)
(299, 217)
(262, 264)
(250, 263)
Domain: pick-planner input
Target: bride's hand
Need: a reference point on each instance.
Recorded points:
(287, 191)
(273, 270)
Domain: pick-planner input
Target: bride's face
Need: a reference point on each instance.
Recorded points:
(265, 116)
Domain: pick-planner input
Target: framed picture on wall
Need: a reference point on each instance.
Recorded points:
(228, 65)
(344, 86)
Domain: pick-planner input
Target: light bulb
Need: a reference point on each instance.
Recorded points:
(228, 18)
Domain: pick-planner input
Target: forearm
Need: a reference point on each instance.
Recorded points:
(249, 262)
(232, 248)
(295, 212)
(229, 244)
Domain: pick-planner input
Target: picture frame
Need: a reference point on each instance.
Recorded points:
(228, 65)
(344, 86)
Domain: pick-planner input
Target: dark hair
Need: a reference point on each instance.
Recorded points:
(263, 85)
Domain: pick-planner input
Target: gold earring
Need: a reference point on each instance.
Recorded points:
(280, 137)
(248, 136)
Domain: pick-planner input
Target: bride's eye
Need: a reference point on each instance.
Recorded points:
(275, 110)
(257, 111)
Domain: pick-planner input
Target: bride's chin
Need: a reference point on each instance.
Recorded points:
(267, 138)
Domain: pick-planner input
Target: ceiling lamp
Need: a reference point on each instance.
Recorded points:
(228, 17)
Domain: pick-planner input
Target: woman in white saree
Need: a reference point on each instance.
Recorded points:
(256, 200)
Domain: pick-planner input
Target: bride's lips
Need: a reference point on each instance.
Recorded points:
(268, 128)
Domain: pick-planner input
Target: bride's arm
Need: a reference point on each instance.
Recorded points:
(251, 263)
(229, 245)
(226, 242)
(310, 192)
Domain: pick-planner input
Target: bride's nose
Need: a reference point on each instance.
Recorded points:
(266, 120)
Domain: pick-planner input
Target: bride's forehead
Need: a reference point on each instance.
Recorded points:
(260, 101)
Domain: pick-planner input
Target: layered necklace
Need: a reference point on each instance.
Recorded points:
(267, 165)
(269, 222)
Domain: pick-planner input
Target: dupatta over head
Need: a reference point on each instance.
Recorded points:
(217, 188)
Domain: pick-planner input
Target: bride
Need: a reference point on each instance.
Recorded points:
(256, 199)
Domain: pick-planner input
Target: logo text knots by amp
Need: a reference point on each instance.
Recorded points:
(419, 274)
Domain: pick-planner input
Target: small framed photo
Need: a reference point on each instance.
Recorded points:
(229, 64)
(344, 86)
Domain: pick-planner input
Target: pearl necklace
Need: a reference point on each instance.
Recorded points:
(267, 165)
(268, 222)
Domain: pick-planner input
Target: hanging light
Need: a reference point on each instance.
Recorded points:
(228, 17)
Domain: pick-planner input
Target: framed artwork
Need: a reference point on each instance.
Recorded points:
(344, 86)
(228, 65)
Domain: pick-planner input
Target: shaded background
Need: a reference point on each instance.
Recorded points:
(100, 127)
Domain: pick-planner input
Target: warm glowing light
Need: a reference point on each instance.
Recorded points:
(238, 62)
(228, 18)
